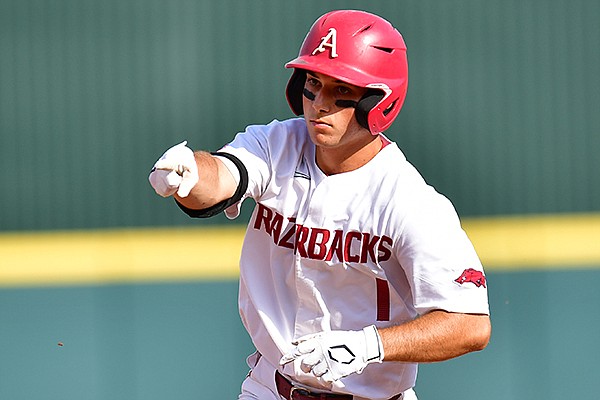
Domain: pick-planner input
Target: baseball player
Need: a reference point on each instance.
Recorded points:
(353, 270)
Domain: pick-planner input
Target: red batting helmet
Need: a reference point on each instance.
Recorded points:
(361, 49)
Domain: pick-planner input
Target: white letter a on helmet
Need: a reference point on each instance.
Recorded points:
(329, 40)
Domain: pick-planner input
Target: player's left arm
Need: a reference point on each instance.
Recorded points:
(436, 336)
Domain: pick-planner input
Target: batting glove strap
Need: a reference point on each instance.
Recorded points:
(373, 344)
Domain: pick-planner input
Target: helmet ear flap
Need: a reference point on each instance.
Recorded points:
(366, 103)
(294, 89)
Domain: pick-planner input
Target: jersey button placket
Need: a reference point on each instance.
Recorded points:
(309, 314)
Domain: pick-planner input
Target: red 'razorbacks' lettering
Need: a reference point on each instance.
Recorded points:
(348, 244)
(264, 216)
(322, 243)
(336, 246)
(385, 252)
(368, 247)
(287, 240)
(317, 249)
(301, 238)
(276, 226)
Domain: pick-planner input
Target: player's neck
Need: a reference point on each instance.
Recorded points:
(339, 160)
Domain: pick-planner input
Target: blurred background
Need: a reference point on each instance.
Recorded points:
(502, 116)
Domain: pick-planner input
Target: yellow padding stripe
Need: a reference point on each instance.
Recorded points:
(126, 255)
(554, 241)
(119, 256)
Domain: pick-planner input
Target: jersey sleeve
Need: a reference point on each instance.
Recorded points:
(440, 262)
(261, 149)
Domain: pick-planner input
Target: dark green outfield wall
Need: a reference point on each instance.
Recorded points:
(185, 342)
(122, 342)
(501, 115)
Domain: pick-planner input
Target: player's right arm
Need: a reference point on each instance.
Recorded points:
(197, 180)
(215, 183)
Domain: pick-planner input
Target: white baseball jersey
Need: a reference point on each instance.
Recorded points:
(376, 245)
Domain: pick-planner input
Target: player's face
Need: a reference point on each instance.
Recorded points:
(328, 115)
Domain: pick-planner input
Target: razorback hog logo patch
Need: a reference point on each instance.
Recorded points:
(472, 275)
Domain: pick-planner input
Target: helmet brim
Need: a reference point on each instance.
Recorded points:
(335, 70)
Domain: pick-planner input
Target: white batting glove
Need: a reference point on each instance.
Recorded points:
(333, 355)
(175, 172)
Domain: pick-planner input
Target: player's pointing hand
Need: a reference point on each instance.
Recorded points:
(175, 171)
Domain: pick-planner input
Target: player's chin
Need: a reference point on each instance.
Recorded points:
(323, 139)
(322, 134)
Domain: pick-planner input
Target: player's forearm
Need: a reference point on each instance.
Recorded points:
(215, 183)
(436, 336)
